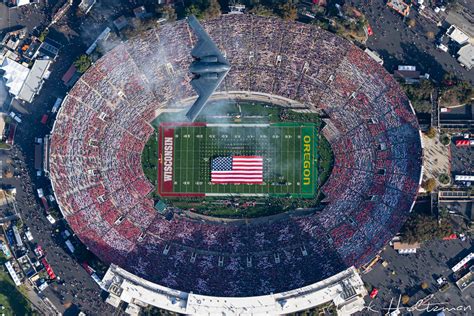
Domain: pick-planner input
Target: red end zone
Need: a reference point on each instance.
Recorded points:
(166, 159)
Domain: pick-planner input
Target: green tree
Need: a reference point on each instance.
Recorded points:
(43, 35)
(168, 12)
(83, 63)
(445, 139)
(262, 11)
(213, 10)
(288, 11)
(420, 228)
(420, 95)
(194, 10)
(444, 178)
(429, 185)
(457, 94)
(431, 133)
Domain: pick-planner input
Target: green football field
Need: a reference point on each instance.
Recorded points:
(289, 152)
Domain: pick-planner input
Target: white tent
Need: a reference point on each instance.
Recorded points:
(19, 3)
(15, 75)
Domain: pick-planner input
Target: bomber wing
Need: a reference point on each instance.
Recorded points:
(204, 88)
(205, 46)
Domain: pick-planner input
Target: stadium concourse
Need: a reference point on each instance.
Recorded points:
(103, 126)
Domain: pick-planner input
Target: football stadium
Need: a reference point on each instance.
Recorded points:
(278, 264)
(201, 159)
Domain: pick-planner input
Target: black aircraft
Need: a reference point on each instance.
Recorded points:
(209, 68)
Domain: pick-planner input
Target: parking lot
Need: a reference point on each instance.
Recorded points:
(461, 160)
(400, 45)
(405, 273)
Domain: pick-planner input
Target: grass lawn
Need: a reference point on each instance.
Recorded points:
(280, 145)
(10, 297)
(192, 165)
(150, 159)
(4, 145)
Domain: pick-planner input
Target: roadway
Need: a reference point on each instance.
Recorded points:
(74, 290)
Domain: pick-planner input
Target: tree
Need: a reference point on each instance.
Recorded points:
(424, 285)
(449, 79)
(213, 10)
(420, 228)
(420, 95)
(445, 139)
(431, 133)
(430, 35)
(405, 299)
(444, 178)
(411, 22)
(83, 63)
(429, 185)
(288, 11)
(168, 12)
(194, 10)
(457, 94)
(43, 35)
(261, 10)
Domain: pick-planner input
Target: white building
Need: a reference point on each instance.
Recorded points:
(345, 290)
(374, 56)
(20, 3)
(15, 75)
(24, 83)
(457, 35)
(86, 5)
(466, 56)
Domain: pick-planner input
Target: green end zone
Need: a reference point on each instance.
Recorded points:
(289, 152)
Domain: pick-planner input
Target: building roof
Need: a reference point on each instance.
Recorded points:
(6, 196)
(49, 48)
(15, 75)
(374, 56)
(466, 56)
(86, 5)
(399, 6)
(2, 124)
(68, 74)
(19, 3)
(120, 22)
(34, 80)
(140, 12)
(402, 246)
(457, 35)
(407, 74)
(462, 18)
(344, 289)
(466, 281)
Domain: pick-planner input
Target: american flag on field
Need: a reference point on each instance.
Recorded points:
(237, 169)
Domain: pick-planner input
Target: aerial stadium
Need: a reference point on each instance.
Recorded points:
(197, 265)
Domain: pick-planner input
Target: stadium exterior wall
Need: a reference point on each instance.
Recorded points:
(345, 290)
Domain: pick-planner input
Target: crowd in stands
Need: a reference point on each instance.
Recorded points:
(103, 126)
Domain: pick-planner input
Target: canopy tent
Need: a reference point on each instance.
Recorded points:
(15, 75)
